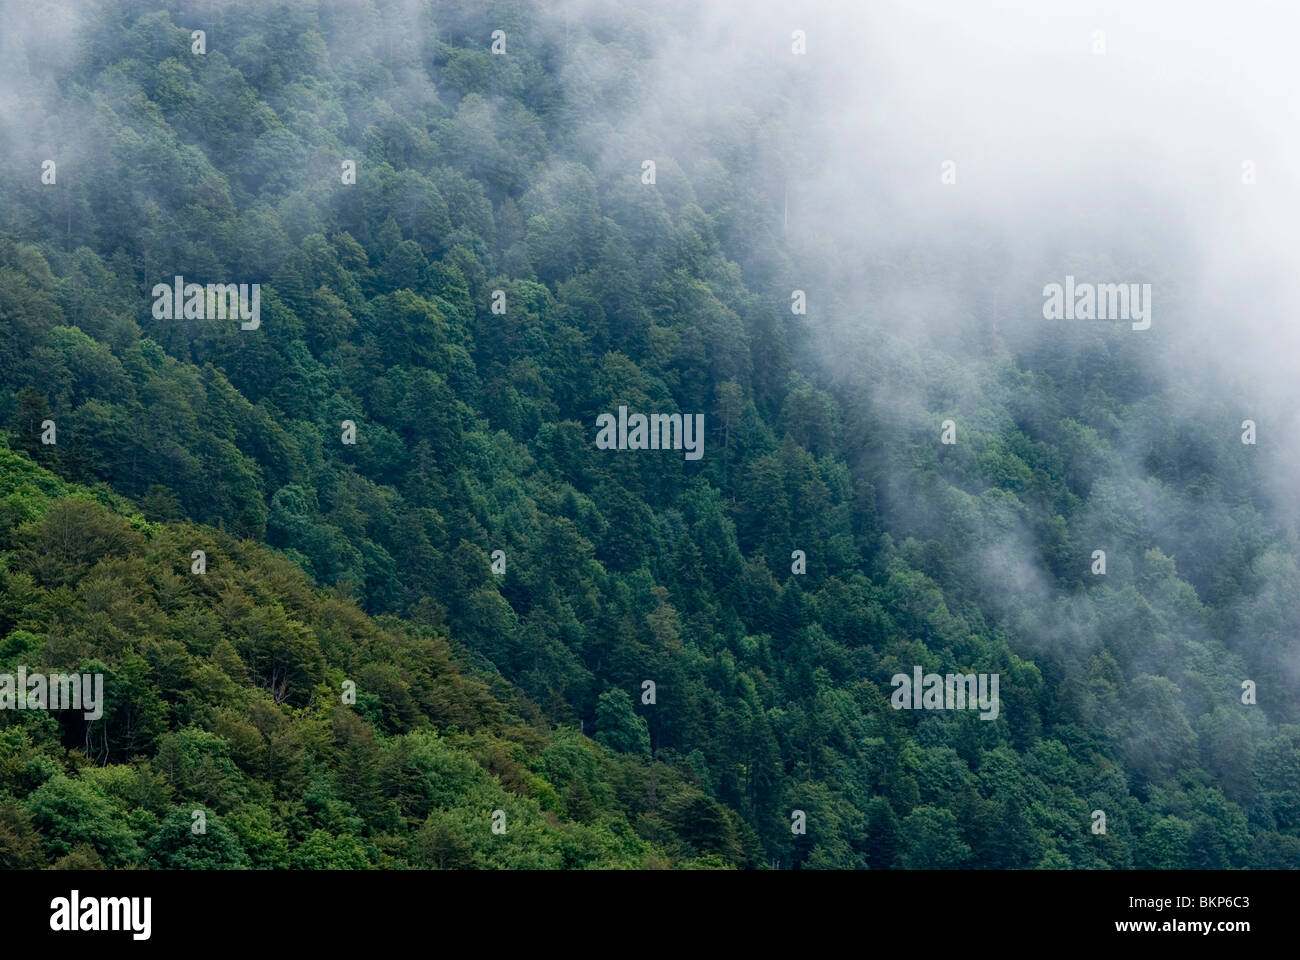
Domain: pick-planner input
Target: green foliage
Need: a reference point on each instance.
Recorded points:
(618, 727)
(475, 434)
(252, 731)
(176, 847)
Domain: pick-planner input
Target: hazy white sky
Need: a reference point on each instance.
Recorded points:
(1132, 158)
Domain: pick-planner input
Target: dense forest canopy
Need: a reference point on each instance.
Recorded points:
(499, 275)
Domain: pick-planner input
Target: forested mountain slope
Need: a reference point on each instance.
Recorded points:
(487, 179)
(225, 695)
